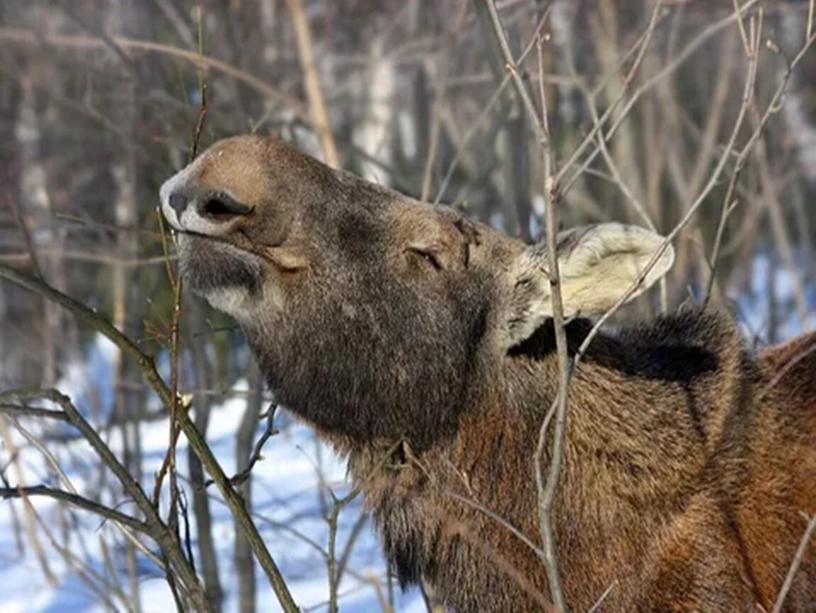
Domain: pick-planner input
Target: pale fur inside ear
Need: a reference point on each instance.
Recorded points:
(597, 264)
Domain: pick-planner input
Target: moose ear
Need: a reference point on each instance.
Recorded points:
(597, 265)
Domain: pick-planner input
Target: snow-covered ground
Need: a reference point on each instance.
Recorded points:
(287, 505)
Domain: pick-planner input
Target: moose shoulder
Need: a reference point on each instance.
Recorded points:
(394, 326)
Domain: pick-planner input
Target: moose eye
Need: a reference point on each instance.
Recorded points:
(427, 257)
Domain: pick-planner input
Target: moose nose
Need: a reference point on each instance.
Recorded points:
(178, 202)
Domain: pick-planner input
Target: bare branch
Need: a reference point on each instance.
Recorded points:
(728, 201)
(157, 529)
(77, 501)
(795, 564)
(27, 37)
(715, 175)
(314, 89)
(546, 491)
(668, 69)
(194, 438)
(257, 452)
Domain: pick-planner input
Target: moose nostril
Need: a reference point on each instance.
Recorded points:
(223, 206)
(178, 202)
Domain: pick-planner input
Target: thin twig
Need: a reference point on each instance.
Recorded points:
(257, 452)
(795, 564)
(491, 103)
(546, 491)
(202, 86)
(602, 597)
(513, 71)
(28, 37)
(715, 175)
(354, 535)
(500, 520)
(77, 501)
(158, 530)
(773, 107)
(196, 441)
(334, 514)
(169, 464)
(314, 89)
(85, 256)
(746, 45)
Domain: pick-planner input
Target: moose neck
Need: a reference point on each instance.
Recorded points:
(647, 413)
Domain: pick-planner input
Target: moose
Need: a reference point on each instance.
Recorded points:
(420, 345)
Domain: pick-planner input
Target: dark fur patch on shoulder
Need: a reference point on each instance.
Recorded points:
(541, 343)
(677, 347)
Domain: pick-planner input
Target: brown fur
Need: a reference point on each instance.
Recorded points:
(687, 461)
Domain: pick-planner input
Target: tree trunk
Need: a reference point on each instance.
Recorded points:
(244, 565)
(201, 501)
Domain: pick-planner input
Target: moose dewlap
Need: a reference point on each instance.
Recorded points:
(395, 326)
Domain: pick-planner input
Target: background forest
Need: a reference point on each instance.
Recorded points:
(691, 115)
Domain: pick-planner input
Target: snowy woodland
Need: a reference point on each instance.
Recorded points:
(693, 117)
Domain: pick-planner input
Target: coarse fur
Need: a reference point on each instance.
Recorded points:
(419, 344)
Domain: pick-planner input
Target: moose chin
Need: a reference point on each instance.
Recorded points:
(397, 327)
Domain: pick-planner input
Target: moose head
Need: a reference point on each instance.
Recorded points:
(374, 315)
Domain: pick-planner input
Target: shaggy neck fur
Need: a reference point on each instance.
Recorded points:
(658, 417)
